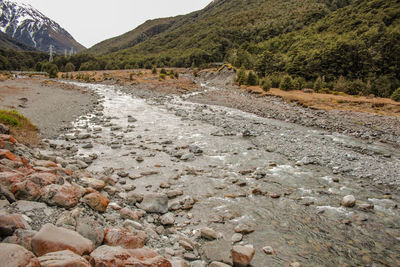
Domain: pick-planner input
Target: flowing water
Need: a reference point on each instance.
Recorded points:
(294, 208)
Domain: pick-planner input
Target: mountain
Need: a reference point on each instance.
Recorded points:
(7, 42)
(23, 22)
(140, 34)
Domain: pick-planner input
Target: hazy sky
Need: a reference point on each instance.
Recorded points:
(92, 21)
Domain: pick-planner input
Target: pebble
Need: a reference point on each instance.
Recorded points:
(348, 201)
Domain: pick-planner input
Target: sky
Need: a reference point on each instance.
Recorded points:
(92, 21)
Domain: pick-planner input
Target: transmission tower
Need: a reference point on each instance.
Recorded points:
(51, 53)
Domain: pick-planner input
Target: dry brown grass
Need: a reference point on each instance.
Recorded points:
(5, 76)
(376, 105)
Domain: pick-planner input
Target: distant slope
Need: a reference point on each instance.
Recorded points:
(28, 25)
(208, 35)
(142, 33)
(7, 42)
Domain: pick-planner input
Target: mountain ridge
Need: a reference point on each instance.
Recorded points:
(23, 22)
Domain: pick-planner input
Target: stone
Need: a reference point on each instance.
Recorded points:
(179, 263)
(186, 245)
(12, 255)
(155, 203)
(268, 250)
(242, 255)
(195, 149)
(117, 236)
(218, 264)
(348, 201)
(26, 190)
(120, 257)
(127, 213)
(96, 201)
(174, 193)
(237, 237)
(167, 219)
(244, 228)
(133, 225)
(83, 136)
(21, 237)
(133, 197)
(66, 195)
(87, 146)
(64, 258)
(9, 178)
(45, 163)
(366, 207)
(295, 264)
(43, 179)
(90, 229)
(4, 129)
(188, 156)
(208, 233)
(93, 183)
(10, 223)
(51, 239)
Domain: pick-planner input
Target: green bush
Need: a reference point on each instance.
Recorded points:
(340, 85)
(286, 83)
(51, 69)
(69, 67)
(162, 76)
(154, 70)
(275, 79)
(241, 76)
(355, 87)
(319, 84)
(11, 118)
(252, 79)
(298, 83)
(396, 95)
(163, 71)
(266, 84)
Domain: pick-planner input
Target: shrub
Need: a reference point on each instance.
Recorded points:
(275, 79)
(176, 75)
(69, 67)
(162, 76)
(266, 84)
(396, 95)
(7, 118)
(319, 84)
(154, 70)
(298, 83)
(131, 76)
(286, 83)
(241, 76)
(355, 87)
(340, 85)
(251, 79)
(51, 69)
(163, 71)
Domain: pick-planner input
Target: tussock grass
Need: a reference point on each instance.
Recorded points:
(20, 126)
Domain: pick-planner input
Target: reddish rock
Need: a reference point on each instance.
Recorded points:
(65, 195)
(8, 155)
(10, 178)
(120, 257)
(127, 213)
(65, 258)
(21, 237)
(9, 138)
(26, 190)
(51, 239)
(96, 201)
(117, 236)
(43, 178)
(242, 255)
(90, 229)
(44, 163)
(10, 223)
(12, 255)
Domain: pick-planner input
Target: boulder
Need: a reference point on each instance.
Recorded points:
(4, 129)
(51, 239)
(21, 237)
(10, 223)
(155, 202)
(90, 229)
(349, 201)
(117, 236)
(26, 190)
(96, 201)
(127, 213)
(10, 178)
(242, 255)
(208, 233)
(66, 195)
(44, 178)
(12, 255)
(121, 257)
(93, 183)
(64, 258)
(218, 264)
